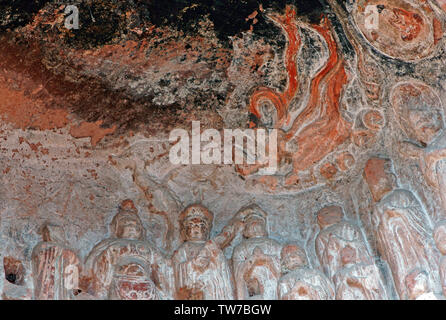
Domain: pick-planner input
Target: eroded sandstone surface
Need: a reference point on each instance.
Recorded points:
(92, 207)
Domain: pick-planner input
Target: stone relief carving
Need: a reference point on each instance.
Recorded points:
(298, 280)
(256, 260)
(420, 115)
(126, 266)
(56, 268)
(440, 242)
(358, 280)
(419, 112)
(402, 29)
(309, 112)
(327, 101)
(335, 234)
(404, 240)
(344, 256)
(418, 287)
(201, 269)
(379, 178)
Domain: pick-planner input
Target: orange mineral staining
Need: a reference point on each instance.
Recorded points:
(26, 113)
(92, 130)
(282, 100)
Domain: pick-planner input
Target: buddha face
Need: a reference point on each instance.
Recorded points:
(255, 227)
(129, 229)
(292, 258)
(196, 229)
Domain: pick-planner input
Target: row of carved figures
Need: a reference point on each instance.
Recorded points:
(126, 266)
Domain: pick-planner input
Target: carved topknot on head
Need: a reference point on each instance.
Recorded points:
(252, 211)
(255, 221)
(440, 236)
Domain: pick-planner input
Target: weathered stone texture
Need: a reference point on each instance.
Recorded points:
(91, 207)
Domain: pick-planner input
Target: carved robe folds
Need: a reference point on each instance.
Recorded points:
(360, 281)
(305, 284)
(345, 259)
(56, 268)
(202, 272)
(440, 241)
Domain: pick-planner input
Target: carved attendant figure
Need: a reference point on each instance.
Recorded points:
(298, 281)
(403, 240)
(201, 269)
(334, 236)
(345, 259)
(56, 268)
(126, 267)
(418, 288)
(420, 114)
(256, 261)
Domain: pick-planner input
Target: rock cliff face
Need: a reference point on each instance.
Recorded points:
(349, 94)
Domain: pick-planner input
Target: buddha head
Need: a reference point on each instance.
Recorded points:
(255, 222)
(440, 237)
(53, 233)
(419, 112)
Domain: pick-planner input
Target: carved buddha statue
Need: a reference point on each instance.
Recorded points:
(201, 269)
(440, 241)
(256, 260)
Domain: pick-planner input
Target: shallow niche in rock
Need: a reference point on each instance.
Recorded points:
(14, 271)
